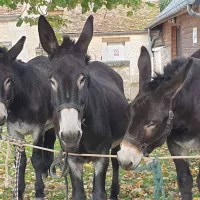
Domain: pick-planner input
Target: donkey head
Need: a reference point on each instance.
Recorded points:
(7, 78)
(150, 114)
(69, 79)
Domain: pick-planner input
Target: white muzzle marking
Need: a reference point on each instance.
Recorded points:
(69, 122)
(129, 156)
(3, 111)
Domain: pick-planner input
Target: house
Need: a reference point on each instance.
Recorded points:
(10, 33)
(176, 32)
(117, 38)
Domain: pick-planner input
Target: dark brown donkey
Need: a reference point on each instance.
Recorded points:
(166, 108)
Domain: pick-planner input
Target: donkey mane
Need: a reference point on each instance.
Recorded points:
(68, 44)
(169, 70)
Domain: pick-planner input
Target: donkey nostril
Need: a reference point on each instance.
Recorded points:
(4, 119)
(129, 165)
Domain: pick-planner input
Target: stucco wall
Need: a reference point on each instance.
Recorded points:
(161, 56)
(128, 73)
(10, 33)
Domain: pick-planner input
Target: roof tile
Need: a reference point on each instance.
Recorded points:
(5, 11)
(115, 20)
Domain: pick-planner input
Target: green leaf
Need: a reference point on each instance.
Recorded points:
(35, 5)
(130, 13)
(20, 21)
(163, 4)
(150, 4)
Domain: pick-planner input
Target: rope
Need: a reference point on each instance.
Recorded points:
(7, 180)
(67, 187)
(154, 165)
(58, 161)
(159, 192)
(18, 151)
(146, 159)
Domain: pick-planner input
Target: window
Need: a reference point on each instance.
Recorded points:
(7, 45)
(115, 49)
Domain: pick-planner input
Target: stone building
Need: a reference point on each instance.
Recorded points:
(117, 38)
(10, 33)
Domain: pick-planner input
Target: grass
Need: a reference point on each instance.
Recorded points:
(137, 185)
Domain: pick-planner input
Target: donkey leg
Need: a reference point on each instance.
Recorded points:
(38, 166)
(21, 179)
(115, 179)
(49, 140)
(100, 169)
(184, 177)
(76, 175)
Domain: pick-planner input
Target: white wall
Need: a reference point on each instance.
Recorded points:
(9, 32)
(162, 55)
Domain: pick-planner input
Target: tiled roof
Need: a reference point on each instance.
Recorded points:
(172, 9)
(5, 11)
(115, 20)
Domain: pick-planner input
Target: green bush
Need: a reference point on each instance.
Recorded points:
(163, 4)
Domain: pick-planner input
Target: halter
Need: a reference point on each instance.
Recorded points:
(143, 147)
(70, 105)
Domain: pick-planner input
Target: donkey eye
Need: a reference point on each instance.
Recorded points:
(82, 81)
(8, 80)
(7, 83)
(54, 83)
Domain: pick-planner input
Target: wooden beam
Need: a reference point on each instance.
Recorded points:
(116, 39)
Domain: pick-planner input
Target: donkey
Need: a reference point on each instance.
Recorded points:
(25, 104)
(166, 109)
(86, 96)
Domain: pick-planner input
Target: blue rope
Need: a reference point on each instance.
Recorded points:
(159, 192)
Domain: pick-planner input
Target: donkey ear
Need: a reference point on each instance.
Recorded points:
(86, 35)
(176, 83)
(144, 66)
(47, 36)
(12, 54)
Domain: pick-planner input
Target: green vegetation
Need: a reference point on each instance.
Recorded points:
(163, 4)
(36, 7)
(134, 184)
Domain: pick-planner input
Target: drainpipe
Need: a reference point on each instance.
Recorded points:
(192, 12)
(150, 51)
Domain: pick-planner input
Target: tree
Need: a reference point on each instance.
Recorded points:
(35, 8)
(163, 4)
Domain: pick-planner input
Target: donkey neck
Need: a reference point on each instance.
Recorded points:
(186, 101)
(96, 103)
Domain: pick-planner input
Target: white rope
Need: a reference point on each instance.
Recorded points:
(7, 178)
(23, 144)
